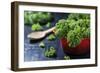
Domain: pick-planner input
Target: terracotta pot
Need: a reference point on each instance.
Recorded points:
(81, 49)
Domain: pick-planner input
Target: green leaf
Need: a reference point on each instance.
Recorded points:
(36, 27)
(51, 52)
(51, 37)
(48, 24)
(67, 57)
(74, 28)
(42, 45)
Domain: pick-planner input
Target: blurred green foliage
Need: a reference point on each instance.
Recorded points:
(31, 17)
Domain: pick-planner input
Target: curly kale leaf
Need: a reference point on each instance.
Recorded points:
(51, 52)
(77, 16)
(36, 27)
(74, 28)
(62, 28)
(31, 17)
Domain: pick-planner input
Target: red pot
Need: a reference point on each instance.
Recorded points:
(81, 49)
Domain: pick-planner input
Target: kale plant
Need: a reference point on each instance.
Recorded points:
(74, 28)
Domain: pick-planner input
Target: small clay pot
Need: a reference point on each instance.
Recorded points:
(81, 49)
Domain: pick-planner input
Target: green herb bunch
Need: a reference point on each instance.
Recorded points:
(74, 28)
(31, 17)
(36, 27)
(37, 19)
(51, 52)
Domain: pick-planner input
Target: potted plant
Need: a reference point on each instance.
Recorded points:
(74, 33)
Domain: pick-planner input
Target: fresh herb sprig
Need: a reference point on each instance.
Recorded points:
(51, 37)
(74, 28)
(31, 17)
(36, 27)
(51, 52)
